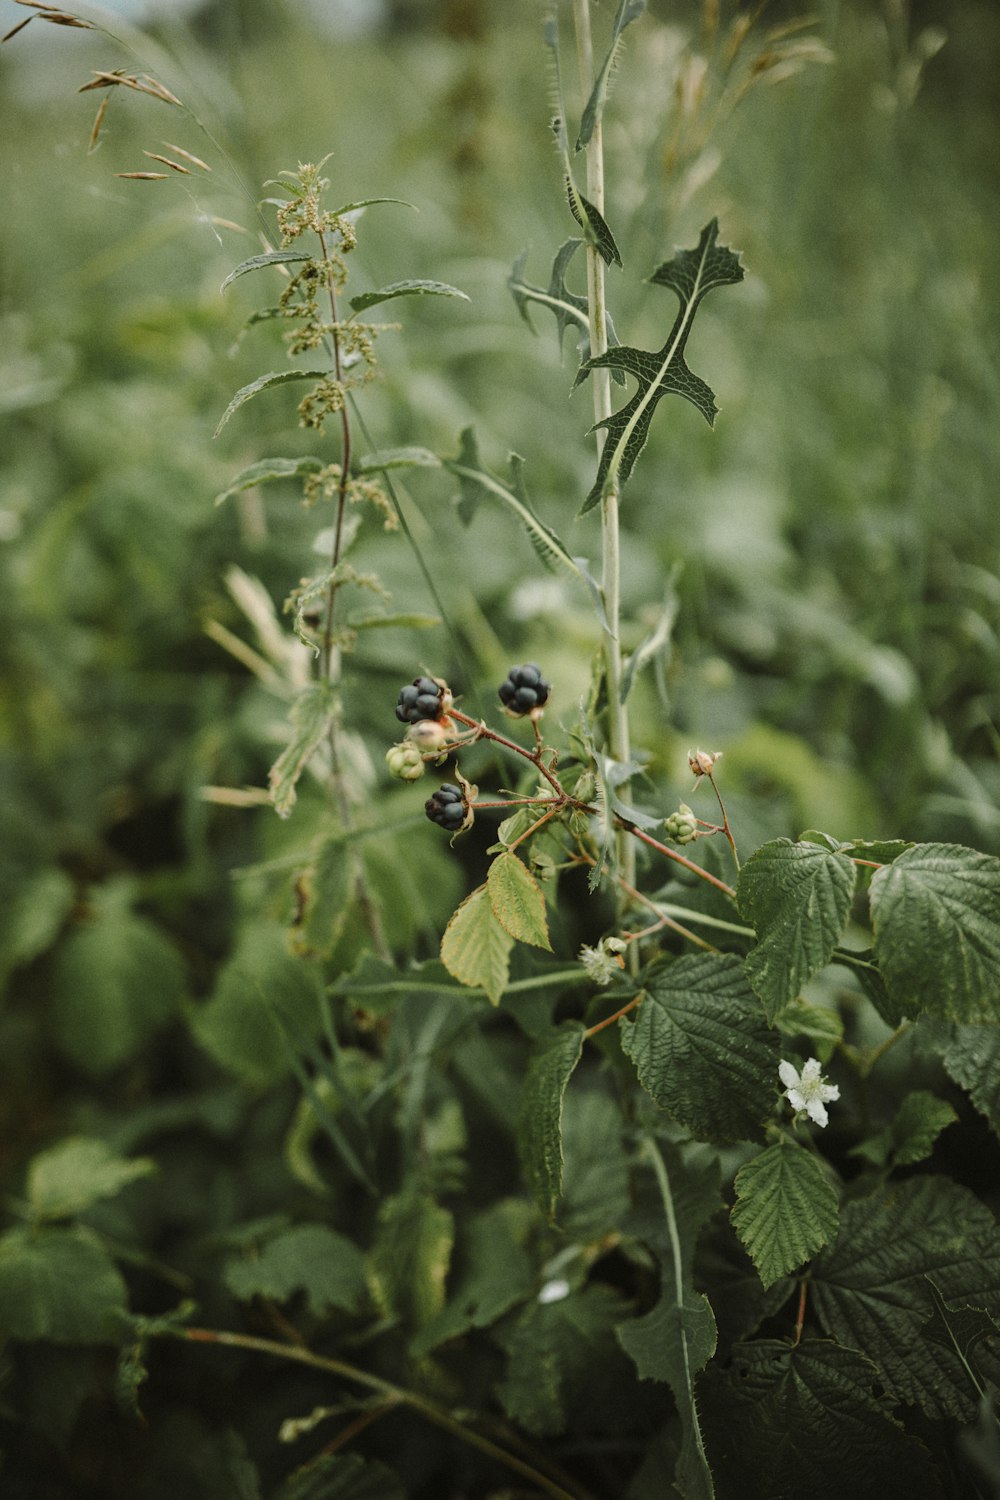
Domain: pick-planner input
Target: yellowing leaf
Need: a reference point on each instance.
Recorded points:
(517, 901)
(475, 948)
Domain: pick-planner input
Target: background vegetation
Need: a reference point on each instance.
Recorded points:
(832, 548)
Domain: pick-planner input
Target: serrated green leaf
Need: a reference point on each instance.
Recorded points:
(798, 898)
(936, 915)
(628, 11)
(33, 916)
(361, 203)
(972, 1057)
(786, 1209)
(496, 1274)
(79, 1171)
(539, 1130)
(309, 1258)
(311, 716)
(807, 1420)
(701, 1048)
(398, 458)
(477, 484)
(692, 274)
(270, 258)
(911, 1136)
(408, 1263)
(261, 990)
(60, 1285)
(475, 948)
(264, 383)
(268, 470)
(559, 1354)
(116, 981)
(364, 300)
(962, 1330)
(870, 1289)
(517, 901)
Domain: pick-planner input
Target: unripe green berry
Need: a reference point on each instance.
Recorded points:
(682, 825)
(405, 761)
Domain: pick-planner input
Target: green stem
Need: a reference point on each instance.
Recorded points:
(393, 1394)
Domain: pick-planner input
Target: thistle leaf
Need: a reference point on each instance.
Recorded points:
(692, 274)
(569, 309)
(628, 11)
(592, 222)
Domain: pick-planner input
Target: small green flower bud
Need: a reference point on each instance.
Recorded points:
(405, 761)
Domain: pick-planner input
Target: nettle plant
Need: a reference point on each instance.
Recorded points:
(643, 1213)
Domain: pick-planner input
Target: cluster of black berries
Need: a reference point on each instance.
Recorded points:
(447, 807)
(420, 699)
(523, 689)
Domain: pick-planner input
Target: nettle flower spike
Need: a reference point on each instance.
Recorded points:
(806, 1092)
(524, 691)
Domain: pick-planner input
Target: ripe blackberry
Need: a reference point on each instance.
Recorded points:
(524, 689)
(447, 807)
(423, 698)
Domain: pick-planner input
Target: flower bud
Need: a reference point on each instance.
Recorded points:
(430, 734)
(702, 761)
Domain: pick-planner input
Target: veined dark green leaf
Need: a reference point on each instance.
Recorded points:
(628, 11)
(972, 1058)
(807, 1419)
(798, 897)
(311, 1258)
(60, 1285)
(870, 1289)
(270, 258)
(592, 221)
(701, 1048)
(936, 914)
(561, 1354)
(539, 1133)
(364, 300)
(476, 484)
(268, 470)
(264, 383)
(786, 1209)
(692, 274)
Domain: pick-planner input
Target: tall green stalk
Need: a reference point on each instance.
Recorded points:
(619, 738)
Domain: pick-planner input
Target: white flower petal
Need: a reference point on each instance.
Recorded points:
(788, 1075)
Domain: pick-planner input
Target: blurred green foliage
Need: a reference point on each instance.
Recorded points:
(832, 549)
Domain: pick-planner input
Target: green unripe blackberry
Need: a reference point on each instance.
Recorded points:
(682, 825)
(405, 761)
(423, 698)
(447, 807)
(523, 690)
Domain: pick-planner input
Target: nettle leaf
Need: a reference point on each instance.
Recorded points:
(477, 484)
(311, 716)
(674, 1341)
(475, 948)
(568, 308)
(786, 1209)
(517, 901)
(870, 1290)
(798, 898)
(539, 1129)
(364, 300)
(269, 258)
(263, 994)
(559, 1355)
(496, 1273)
(265, 383)
(60, 1285)
(806, 1419)
(701, 1048)
(267, 471)
(628, 11)
(116, 981)
(398, 458)
(936, 915)
(973, 1060)
(408, 1263)
(309, 1258)
(692, 274)
(342, 1476)
(68, 1178)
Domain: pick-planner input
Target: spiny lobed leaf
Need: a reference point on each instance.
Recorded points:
(692, 274)
(786, 1209)
(628, 11)
(566, 306)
